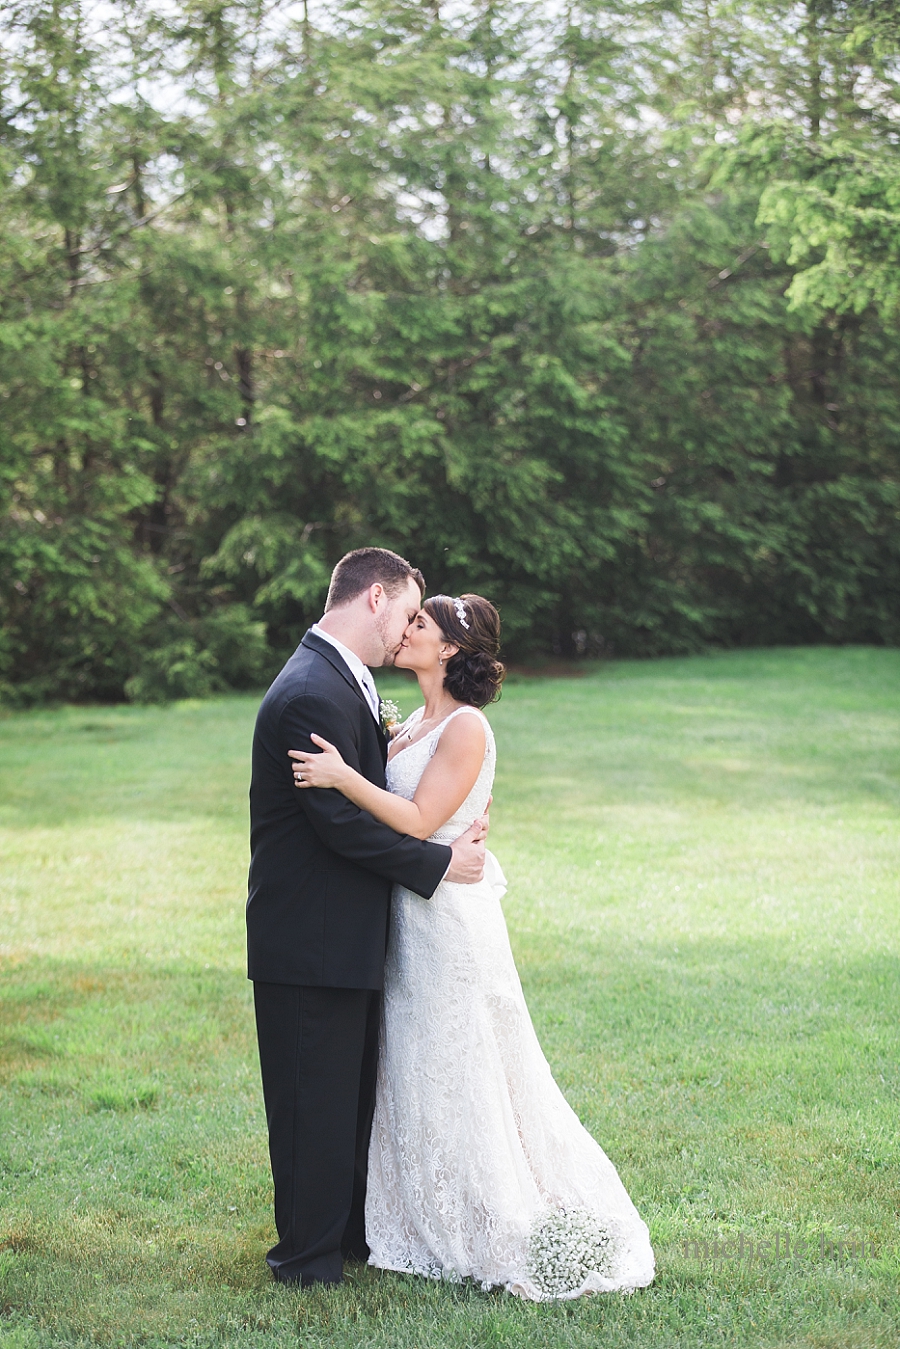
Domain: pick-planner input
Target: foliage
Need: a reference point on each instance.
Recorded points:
(589, 307)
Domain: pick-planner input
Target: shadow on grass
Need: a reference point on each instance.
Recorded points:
(71, 1028)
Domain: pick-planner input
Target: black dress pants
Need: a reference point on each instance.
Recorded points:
(318, 1050)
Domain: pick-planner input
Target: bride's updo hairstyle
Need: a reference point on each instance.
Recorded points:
(474, 674)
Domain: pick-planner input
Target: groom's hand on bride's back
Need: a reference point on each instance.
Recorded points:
(467, 861)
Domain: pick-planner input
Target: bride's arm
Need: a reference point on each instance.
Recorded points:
(444, 785)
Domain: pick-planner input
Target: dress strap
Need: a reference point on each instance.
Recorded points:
(467, 707)
(455, 713)
(434, 735)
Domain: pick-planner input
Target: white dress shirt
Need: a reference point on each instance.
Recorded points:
(359, 671)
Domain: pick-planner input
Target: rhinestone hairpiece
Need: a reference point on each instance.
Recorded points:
(461, 613)
(458, 606)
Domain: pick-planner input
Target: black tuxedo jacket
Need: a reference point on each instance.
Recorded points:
(321, 869)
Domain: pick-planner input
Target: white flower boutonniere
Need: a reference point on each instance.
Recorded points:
(390, 716)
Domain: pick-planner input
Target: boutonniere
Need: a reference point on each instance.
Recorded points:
(390, 716)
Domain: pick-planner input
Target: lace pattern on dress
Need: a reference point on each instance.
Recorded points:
(478, 1167)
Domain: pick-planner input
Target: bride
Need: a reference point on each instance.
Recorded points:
(478, 1167)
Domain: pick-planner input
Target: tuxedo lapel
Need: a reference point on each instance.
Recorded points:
(315, 643)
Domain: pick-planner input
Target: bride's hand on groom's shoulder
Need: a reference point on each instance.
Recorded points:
(325, 769)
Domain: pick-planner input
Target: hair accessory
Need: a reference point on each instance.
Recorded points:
(458, 606)
(460, 612)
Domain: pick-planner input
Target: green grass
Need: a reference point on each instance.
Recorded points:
(703, 859)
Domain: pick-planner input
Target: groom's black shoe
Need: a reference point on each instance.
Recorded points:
(306, 1281)
(321, 1269)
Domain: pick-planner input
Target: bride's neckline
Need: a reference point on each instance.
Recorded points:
(464, 707)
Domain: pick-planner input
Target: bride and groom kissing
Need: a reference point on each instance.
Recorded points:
(413, 1120)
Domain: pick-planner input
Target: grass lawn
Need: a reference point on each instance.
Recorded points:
(703, 860)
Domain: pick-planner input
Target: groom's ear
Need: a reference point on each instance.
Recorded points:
(376, 592)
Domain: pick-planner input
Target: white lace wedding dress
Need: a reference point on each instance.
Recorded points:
(478, 1167)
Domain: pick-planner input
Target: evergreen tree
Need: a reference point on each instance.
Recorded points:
(591, 307)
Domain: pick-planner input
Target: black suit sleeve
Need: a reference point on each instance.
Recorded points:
(342, 826)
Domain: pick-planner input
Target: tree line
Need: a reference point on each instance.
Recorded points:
(589, 307)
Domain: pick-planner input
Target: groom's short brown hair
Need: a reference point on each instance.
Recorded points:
(366, 567)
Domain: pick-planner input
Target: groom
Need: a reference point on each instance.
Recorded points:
(321, 872)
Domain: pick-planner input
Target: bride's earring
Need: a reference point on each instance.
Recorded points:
(440, 660)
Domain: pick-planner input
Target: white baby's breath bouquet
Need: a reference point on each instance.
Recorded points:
(567, 1245)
